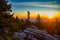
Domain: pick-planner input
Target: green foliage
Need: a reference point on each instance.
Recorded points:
(8, 21)
(13, 24)
(4, 7)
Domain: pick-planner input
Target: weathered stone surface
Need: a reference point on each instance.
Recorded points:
(33, 33)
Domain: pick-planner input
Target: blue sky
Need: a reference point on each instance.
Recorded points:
(33, 0)
(21, 6)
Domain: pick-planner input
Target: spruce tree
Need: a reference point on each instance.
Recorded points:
(39, 22)
(5, 18)
(28, 18)
(28, 15)
(4, 6)
(5, 10)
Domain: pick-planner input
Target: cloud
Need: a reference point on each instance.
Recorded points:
(40, 4)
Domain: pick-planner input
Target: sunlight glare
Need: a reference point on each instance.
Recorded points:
(50, 15)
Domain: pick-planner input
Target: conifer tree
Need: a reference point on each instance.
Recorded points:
(28, 18)
(38, 21)
(5, 10)
(4, 7)
(28, 15)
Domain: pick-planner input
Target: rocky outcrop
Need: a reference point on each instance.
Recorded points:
(33, 33)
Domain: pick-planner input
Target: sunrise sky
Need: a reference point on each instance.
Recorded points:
(45, 8)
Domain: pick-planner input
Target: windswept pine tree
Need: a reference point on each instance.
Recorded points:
(4, 7)
(27, 21)
(28, 15)
(8, 24)
(5, 10)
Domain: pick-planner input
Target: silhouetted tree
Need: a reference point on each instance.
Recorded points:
(17, 19)
(28, 15)
(4, 7)
(58, 26)
(39, 22)
(27, 21)
(7, 20)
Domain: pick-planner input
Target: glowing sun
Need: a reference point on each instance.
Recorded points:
(50, 15)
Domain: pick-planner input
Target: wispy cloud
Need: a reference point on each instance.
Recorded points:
(40, 4)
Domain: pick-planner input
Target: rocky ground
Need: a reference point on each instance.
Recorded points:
(33, 33)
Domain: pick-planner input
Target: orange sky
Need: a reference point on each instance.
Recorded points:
(44, 14)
